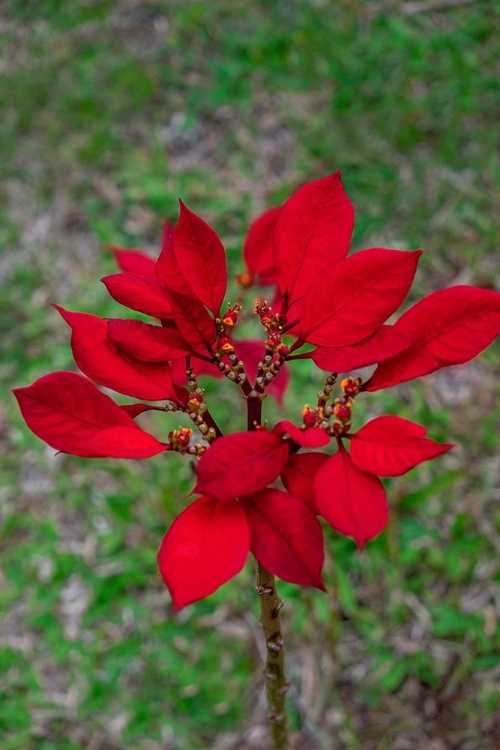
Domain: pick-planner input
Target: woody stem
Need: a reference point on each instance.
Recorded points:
(274, 672)
(270, 606)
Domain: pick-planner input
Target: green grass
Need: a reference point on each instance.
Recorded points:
(110, 112)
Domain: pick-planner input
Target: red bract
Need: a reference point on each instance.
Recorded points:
(310, 437)
(299, 474)
(146, 294)
(285, 537)
(101, 360)
(205, 547)
(193, 322)
(313, 231)
(389, 446)
(449, 327)
(258, 248)
(201, 259)
(147, 343)
(321, 297)
(352, 502)
(133, 261)
(241, 464)
(356, 296)
(385, 343)
(72, 416)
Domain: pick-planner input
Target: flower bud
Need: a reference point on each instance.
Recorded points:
(245, 280)
(342, 412)
(231, 316)
(225, 346)
(180, 438)
(351, 386)
(194, 402)
(283, 350)
(309, 416)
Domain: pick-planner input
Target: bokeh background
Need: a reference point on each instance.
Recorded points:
(110, 111)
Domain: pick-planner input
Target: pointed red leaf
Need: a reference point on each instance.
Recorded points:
(146, 294)
(389, 446)
(99, 358)
(167, 268)
(299, 474)
(201, 258)
(352, 502)
(193, 321)
(68, 412)
(258, 246)
(356, 296)
(313, 232)
(206, 546)
(308, 437)
(241, 464)
(286, 538)
(385, 343)
(450, 327)
(134, 410)
(133, 261)
(145, 342)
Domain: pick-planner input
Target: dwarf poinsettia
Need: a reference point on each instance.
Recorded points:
(334, 305)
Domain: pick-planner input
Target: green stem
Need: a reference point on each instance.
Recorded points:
(274, 672)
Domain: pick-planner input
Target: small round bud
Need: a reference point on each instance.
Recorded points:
(194, 402)
(283, 350)
(351, 386)
(245, 280)
(342, 412)
(309, 416)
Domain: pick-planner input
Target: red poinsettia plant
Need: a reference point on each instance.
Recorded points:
(262, 490)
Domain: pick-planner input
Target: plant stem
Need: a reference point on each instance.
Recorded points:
(270, 606)
(274, 672)
(212, 423)
(254, 412)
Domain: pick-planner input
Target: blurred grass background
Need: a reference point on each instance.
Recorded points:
(110, 111)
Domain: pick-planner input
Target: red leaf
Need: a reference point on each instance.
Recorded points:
(193, 321)
(99, 358)
(206, 546)
(201, 259)
(385, 343)
(133, 410)
(258, 247)
(285, 537)
(68, 412)
(310, 437)
(313, 232)
(298, 476)
(146, 294)
(251, 352)
(241, 464)
(133, 261)
(451, 327)
(145, 342)
(167, 268)
(390, 446)
(357, 296)
(352, 502)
